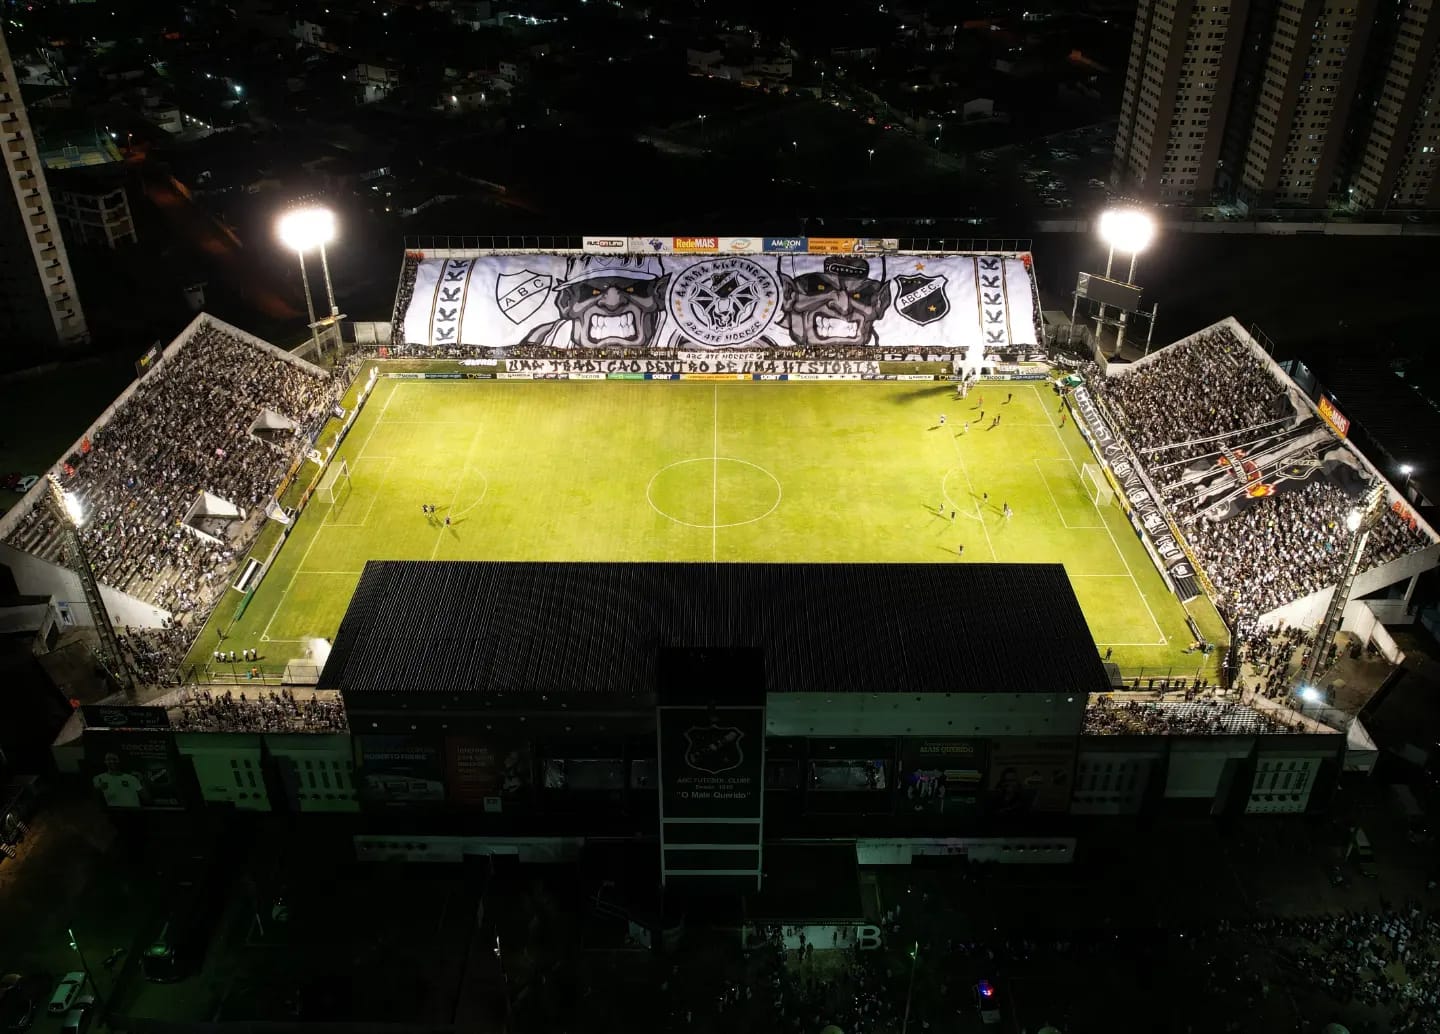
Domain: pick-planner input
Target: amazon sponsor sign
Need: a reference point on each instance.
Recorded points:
(1145, 512)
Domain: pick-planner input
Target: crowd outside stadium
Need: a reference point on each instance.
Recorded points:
(263, 711)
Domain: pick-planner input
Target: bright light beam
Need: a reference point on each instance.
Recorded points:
(1127, 230)
(306, 228)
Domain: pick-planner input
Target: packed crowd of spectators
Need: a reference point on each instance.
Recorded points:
(1271, 550)
(154, 655)
(1212, 385)
(185, 430)
(1201, 716)
(262, 711)
(1273, 655)
(1287, 546)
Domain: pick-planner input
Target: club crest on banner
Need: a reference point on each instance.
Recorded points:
(714, 748)
(521, 294)
(922, 299)
(726, 301)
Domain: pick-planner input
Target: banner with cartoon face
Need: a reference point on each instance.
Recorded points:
(936, 303)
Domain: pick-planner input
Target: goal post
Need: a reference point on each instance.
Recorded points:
(337, 477)
(1096, 485)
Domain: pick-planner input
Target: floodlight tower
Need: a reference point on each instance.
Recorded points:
(1128, 230)
(1361, 521)
(70, 513)
(302, 229)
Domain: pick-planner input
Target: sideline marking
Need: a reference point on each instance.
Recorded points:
(1146, 603)
(1050, 492)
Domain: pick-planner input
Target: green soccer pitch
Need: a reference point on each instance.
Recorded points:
(709, 471)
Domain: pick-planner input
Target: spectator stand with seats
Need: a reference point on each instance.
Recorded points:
(1255, 484)
(175, 483)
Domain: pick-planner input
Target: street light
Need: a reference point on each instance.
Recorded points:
(302, 229)
(1406, 469)
(84, 965)
(871, 152)
(1126, 230)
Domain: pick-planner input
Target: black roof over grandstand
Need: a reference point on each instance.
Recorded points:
(495, 628)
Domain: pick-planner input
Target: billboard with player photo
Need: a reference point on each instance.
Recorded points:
(133, 769)
(1029, 775)
(699, 300)
(942, 776)
(488, 774)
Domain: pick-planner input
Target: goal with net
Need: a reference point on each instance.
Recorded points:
(336, 478)
(1096, 485)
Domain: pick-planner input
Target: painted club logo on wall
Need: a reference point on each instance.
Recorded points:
(521, 294)
(728, 301)
(714, 749)
(922, 299)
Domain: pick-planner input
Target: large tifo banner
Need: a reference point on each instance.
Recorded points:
(970, 303)
(1144, 510)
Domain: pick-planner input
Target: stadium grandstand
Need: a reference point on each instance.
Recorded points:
(1258, 482)
(177, 478)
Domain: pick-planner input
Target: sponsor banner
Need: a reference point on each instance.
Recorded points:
(1145, 512)
(696, 245)
(880, 377)
(405, 376)
(479, 376)
(606, 245)
(1028, 775)
(915, 377)
(625, 376)
(661, 376)
(715, 376)
(712, 762)
(1333, 416)
(940, 775)
(827, 376)
(146, 361)
(833, 245)
(719, 363)
(650, 245)
(596, 375)
(107, 716)
(510, 375)
(1013, 377)
(770, 376)
(878, 245)
(969, 306)
(741, 245)
(786, 245)
(488, 774)
(135, 768)
(399, 771)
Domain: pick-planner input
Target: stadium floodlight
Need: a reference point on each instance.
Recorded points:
(302, 229)
(1406, 469)
(74, 508)
(1127, 230)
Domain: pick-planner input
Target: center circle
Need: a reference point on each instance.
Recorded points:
(713, 492)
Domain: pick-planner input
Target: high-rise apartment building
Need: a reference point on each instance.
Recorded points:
(38, 302)
(1177, 91)
(1313, 54)
(1400, 133)
(1281, 103)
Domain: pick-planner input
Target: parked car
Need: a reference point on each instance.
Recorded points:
(66, 992)
(78, 1018)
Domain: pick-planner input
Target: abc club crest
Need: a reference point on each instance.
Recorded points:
(714, 748)
(520, 294)
(724, 302)
(921, 299)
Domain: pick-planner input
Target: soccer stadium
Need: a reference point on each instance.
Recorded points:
(775, 476)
